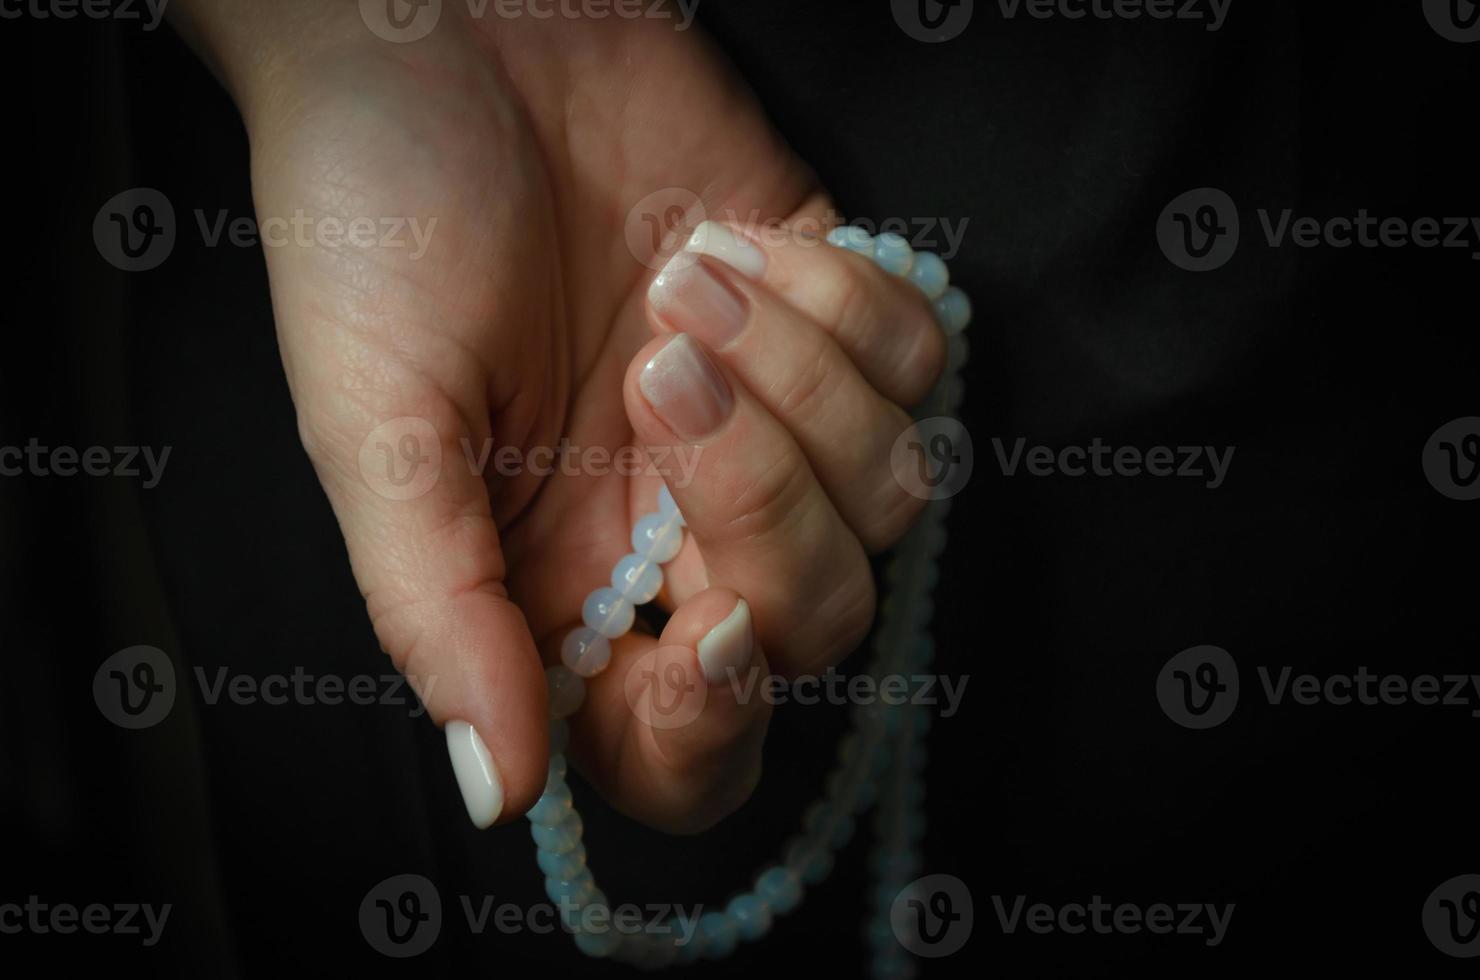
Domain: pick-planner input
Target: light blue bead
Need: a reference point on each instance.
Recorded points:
(780, 888)
(574, 916)
(854, 239)
(556, 770)
(828, 823)
(930, 273)
(553, 806)
(558, 838)
(809, 859)
(585, 651)
(566, 865)
(658, 536)
(608, 612)
(667, 505)
(893, 254)
(751, 915)
(599, 943)
(953, 310)
(637, 577)
(576, 890)
(719, 935)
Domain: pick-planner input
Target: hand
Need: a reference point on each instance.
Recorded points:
(524, 318)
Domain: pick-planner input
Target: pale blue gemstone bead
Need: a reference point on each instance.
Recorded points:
(828, 823)
(809, 859)
(751, 915)
(573, 917)
(567, 691)
(585, 651)
(667, 505)
(559, 736)
(566, 865)
(608, 612)
(598, 943)
(553, 806)
(556, 771)
(560, 838)
(854, 239)
(780, 888)
(930, 274)
(953, 310)
(893, 254)
(637, 577)
(658, 536)
(719, 935)
(577, 890)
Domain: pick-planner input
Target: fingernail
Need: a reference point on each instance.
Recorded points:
(477, 775)
(717, 240)
(684, 387)
(692, 299)
(728, 646)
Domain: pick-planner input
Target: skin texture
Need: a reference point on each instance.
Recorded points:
(526, 322)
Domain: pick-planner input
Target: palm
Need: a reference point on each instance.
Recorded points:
(516, 325)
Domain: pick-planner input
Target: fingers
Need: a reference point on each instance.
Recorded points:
(805, 379)
(883, 322)
(671, 732)
(763, 524)
(426, 554)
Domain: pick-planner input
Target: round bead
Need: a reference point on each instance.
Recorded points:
(780, 888)
(751, 915)
(667, 505)
(560, 838)
(658, 536)
(567, 691)
(638, 578)
(893, 254)
(598, 942)
(576, 891)
(809, 859)
(608, 612)
(828, 823)
(585, 651)
(930, 274)
(719, 935)
(564, 865)
(553, 806)
(953, 310)
(852, 238)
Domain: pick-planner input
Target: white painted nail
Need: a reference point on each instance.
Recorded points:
(477, 775)
(728, 646)
(714, 239)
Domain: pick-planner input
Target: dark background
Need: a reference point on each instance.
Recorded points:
(1061, 598)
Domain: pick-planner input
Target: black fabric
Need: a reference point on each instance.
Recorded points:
(1058, 143)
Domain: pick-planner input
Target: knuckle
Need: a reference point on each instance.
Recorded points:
(894, 513)
(769, 500)
(924, 357)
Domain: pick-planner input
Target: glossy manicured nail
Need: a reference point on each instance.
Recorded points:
(728, 646)
(684, 387)
(477, 775)
(690, 297)
(716, 240)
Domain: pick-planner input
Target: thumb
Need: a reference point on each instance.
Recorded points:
(426, 554)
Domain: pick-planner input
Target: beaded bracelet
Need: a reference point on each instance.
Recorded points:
(880, 760)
